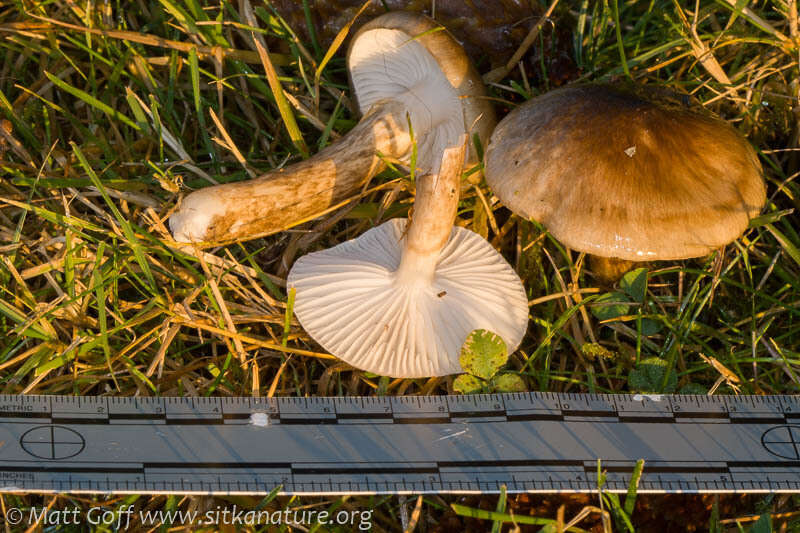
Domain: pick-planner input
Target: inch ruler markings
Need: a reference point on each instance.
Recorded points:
(530, 442)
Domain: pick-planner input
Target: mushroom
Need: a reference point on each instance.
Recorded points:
(403, 68)
(401, 299)
(614, 173)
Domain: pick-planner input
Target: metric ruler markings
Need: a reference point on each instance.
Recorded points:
(512, 407)
(533, 442)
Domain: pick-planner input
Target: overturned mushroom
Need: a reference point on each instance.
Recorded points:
(403, 68)
(401, 299)
(612, 173)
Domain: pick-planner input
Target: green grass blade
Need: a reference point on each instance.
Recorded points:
(633, 487)
(287, 317)
(133, 242)
(194, 70)
(501, 508)
(482, 514)
(92, 101)
(15, 315)
(58, 219)
(620, 42)
(785, 243)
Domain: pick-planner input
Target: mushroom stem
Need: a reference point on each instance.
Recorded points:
(429, 228)
(609, 269)
(283, 198)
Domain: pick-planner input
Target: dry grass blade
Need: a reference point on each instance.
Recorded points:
(158, 360)
(501, 72)
(8, 138)
(228, 143)
(332, 49)
(753, 518)
(588, 510)
(147, 40)
(250, 340)
(313, 119)
(760, 22)
(276, 380)
(415, 516)
(701, 51)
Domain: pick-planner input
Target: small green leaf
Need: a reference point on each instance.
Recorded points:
(649, 373)
(634, 283)
(508, 382)
(483, 354)
(466, 384)
(610, 305)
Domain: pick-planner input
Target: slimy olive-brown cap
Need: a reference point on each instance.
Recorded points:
(615, 174)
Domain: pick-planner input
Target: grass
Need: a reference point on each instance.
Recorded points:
(111, 111)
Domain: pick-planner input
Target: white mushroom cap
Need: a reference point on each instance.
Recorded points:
(410, 58)
(351, 300)
(413, 77)
(402, 66)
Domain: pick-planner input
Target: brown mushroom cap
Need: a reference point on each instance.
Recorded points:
(379, 68)
(613, 174)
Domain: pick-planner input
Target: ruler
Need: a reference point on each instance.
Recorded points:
(529, 442)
